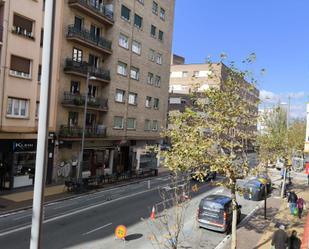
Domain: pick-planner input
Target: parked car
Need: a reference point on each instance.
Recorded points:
(254, 190)
(262, 177)
(215, 213)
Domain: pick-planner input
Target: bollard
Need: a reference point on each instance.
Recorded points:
(148, 184)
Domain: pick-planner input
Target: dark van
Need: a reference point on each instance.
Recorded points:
(254, 190)
(215, 213)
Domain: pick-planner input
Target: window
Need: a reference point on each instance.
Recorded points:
(133, 98)
(162, 14)
(39, 73)
(131, 123)
(138, 21)
(42, 37)
(93, 61)
(92, 91)
(17, 108)
(196, 73)
(150, 78)
(122, 68)
(147, 126)
(161, 35)
(156, 103)
(73, 119)
(23, 26)
(91, 119)
(184, 74)
(119, 97)
(78, 23)
(118, 122)
(154, 125)
(158, 80)
(152, 54)
(20, 67)
(141, 1)
(95, 32)
(159, 58)
(148, 102)
(123, 41)
(74, 87)
(37, 109)
(153, 31)
(154, 8)
(134, 74)
(125, 13)
(136, 47)
(77, 55)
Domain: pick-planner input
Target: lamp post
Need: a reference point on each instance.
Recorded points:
(79, 167)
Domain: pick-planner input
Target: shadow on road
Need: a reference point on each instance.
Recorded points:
(134, 236)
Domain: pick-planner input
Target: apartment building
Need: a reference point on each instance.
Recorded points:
(116, 52)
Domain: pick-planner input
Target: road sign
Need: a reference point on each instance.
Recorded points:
(121, 232)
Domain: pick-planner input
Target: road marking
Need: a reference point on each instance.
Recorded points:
(94, 230)
(22, 217)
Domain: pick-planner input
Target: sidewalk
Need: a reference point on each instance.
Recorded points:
(23, 199)
(258, 232)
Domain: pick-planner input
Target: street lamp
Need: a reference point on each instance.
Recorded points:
(79, 169)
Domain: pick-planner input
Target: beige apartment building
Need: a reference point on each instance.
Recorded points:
(123, 46)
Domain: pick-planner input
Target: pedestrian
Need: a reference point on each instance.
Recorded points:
(292, 199)
(280, 238)
(300, 205)
(294, 241)
(308, 178)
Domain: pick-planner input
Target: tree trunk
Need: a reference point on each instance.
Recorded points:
(234, 220)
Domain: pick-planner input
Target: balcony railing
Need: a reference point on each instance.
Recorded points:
(79, 101)
(98, 131)
(23, 32)
(93, 6)
(86, 36)
(82, 68)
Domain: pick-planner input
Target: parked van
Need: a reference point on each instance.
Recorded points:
(215, 213)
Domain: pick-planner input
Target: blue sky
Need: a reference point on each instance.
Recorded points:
(276, 30)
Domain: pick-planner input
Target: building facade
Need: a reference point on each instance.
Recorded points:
(116, 52)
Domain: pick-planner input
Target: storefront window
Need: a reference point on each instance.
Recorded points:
(24, 168)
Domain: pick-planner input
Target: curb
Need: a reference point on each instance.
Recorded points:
(305, 240)
(244, 220)
(76, 196)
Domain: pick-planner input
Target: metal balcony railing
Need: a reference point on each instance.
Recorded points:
(79, 100)
(83, 68)
(98, 131)
(86, 36)
(93, 5)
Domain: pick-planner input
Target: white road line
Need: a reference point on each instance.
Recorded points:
(22, 217)
(74, 212)
(94, 230)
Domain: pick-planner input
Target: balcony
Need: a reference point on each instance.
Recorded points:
(96, 131)
(84, 37)
(78, 101)
(82, 68)
(90, 8)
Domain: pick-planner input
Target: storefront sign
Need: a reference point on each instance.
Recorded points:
(20, 146)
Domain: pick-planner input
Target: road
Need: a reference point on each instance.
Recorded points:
(88, 218)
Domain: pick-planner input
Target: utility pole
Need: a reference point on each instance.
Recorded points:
(41, 152)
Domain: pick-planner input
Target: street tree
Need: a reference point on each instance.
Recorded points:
(213, 134)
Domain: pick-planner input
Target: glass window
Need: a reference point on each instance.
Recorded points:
(159, 58)
(156, 103)
(119, 97)
(17, 107)
(154, 125)
(123, 41)
(154, 8)
(147, 125)
(132, 98)
(92, 91)
(131, 123)
(152, 55)
(77, 55)
(136, 47)
(118, 122)
(73, 119)
(153, 31)
(20, 67)
(134, 74)
(122, 68)
(148, 102)
(184, 74)
(37, 109)
(125, 13)
(161, 35)
(150, 78)
(78, 23)
(196, 73)
(138, 21)
(158, 80)
(74, 87)
(162, 14)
